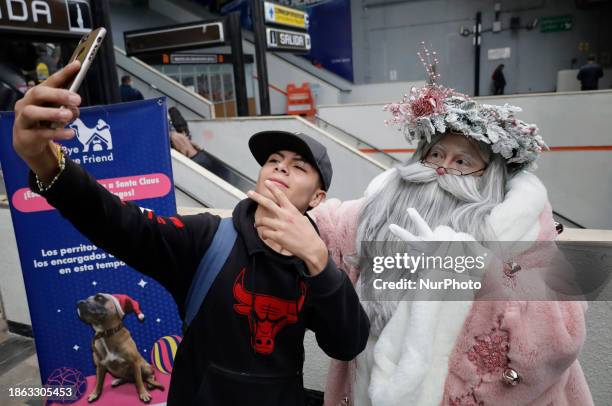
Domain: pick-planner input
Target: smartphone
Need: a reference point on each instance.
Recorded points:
(85, 52)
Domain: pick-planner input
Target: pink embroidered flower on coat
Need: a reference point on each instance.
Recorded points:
(490, 353)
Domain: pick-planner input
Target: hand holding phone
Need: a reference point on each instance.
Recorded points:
(85, 53)
(33, 140)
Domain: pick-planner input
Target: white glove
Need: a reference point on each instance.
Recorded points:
(452, 244)
(425, 233)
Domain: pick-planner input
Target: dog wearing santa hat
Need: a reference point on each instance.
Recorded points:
(114, 350)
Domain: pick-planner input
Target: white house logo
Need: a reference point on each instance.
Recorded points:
(97, 142)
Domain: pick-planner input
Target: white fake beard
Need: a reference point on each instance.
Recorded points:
(435, 197)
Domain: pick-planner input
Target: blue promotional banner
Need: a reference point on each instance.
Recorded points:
(126, 147)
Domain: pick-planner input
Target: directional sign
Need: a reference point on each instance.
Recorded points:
(46, 16)
(281, 15)
(182, 36)
(285, 40)
(556, 24)
(193, 59)
(79, 15)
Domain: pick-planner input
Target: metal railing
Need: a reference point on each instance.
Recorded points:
(378, 155)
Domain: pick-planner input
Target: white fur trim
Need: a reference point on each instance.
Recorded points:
(451, 317)
(401, 354)
(516, 218)
(410, 358)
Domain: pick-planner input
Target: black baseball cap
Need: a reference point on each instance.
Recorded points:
(265, 143)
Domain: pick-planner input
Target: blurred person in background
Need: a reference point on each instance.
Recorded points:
(499, 80)
(128, 93)
(590, 74)
(180, 138)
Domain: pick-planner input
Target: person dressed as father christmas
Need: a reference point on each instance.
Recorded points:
(470, 179)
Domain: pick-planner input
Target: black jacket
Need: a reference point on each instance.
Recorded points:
(234, 352)
(499, 79)
(128, 93)
(589, 76)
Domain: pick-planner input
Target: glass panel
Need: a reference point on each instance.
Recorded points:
(188, 82)
(203, 86)
(217, 94)
(250, 82)
(170, 69)
(228, 87)
(187, 69)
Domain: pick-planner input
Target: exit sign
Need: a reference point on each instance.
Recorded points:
(556, 24)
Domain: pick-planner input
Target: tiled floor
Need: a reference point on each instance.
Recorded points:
(18, 367)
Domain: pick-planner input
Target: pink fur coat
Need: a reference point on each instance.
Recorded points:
(454, 353)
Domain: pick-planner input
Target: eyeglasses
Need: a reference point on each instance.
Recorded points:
(451, 171)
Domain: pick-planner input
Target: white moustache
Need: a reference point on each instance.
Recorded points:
(465, 188)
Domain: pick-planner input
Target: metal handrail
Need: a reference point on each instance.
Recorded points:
(357, 139)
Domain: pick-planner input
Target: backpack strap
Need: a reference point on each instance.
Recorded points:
(213, 260)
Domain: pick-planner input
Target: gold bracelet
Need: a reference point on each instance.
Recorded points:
(59, 154)
(61, 162)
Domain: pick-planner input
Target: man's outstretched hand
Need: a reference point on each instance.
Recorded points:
(286, 226)
(32, 135)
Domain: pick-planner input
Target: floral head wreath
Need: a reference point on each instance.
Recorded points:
(434, 108)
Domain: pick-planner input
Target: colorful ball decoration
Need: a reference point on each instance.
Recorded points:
(64, 377)
(163, 353)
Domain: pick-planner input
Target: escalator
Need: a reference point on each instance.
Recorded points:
(196, 186)
(180, 139)
(153, 83)
(226, 172)
(229, 140)
(377, 154)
